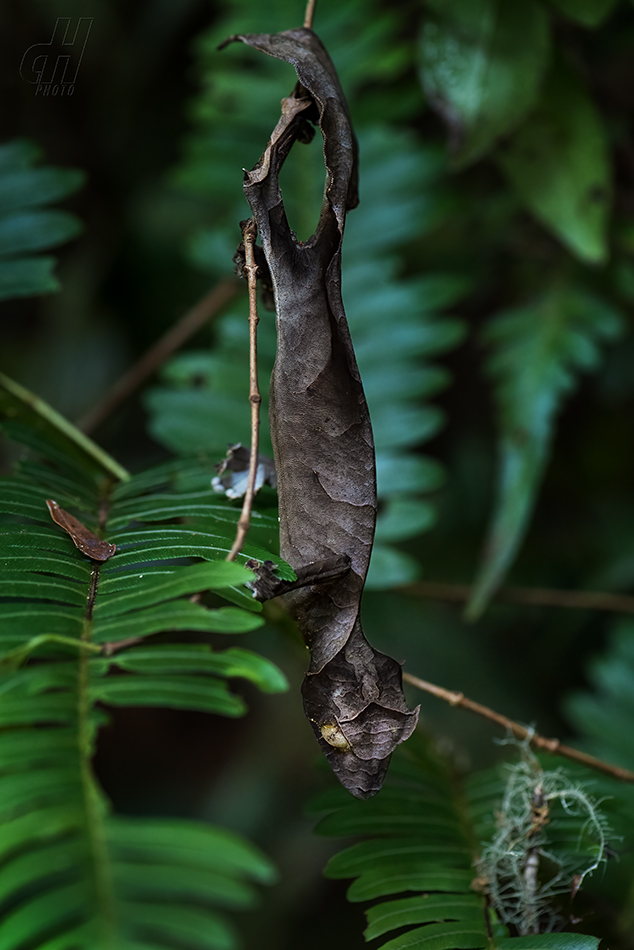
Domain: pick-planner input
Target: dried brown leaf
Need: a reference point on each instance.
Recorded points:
(84, 539)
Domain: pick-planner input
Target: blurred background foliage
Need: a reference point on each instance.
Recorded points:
(489, 283)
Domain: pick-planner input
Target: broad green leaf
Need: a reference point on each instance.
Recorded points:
(587, 12)
(559, 165)
(18, 404)
(538, 350)
(482, 63)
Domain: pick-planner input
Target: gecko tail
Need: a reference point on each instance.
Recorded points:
(358, 712)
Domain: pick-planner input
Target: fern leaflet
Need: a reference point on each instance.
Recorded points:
(26, 226)
(538, 348)
(72, 874)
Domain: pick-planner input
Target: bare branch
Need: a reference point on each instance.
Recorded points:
(309, 16)
(530, 596)
(209, 306)
(553, 746)
(248, 236)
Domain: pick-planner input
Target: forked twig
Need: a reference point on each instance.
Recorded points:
(249, 232)
(553, 746)
(132, 379)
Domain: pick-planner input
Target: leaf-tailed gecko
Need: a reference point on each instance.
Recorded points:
(321, 432)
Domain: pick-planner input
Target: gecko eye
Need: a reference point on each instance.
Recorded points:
(334, 736)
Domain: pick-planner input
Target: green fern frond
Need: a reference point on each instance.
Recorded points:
(422, 843)
(26, 225)
(432, 842)
(538, 351)
(405, 200)
(604, 719)
(73, 876)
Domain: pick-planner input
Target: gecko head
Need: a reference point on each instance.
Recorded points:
(333, 735)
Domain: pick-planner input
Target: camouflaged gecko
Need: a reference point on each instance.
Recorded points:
(321, 433)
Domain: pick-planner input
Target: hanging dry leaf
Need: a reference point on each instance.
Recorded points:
(321, 432)
(87, 542)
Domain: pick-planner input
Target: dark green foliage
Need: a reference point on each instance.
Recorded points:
(559, 165)
(492, 249)
(25, 225)
(73, 874)
(427, 831)
(482, 65)
(605, 716)
(489, 71)
(536, 350)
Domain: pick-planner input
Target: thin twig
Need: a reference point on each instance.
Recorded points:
(249, 233)
(520, 732)
(531, 596)
(132, 379)
(112, 646)
(309, 16)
